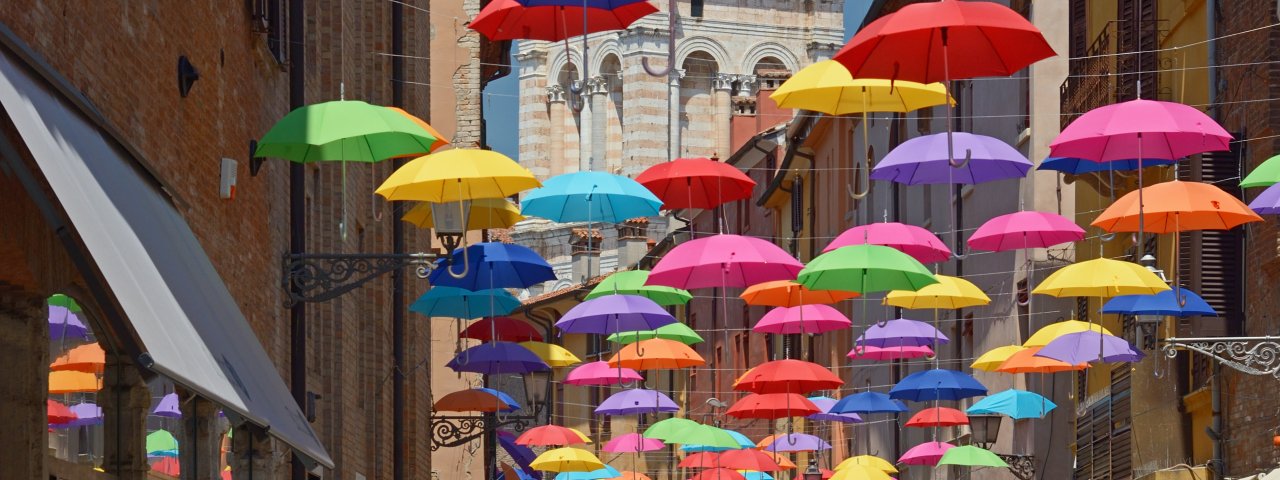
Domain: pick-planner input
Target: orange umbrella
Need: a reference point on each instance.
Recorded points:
(440, 139)
(788, 293)
(655, 354)
(1176, 206)
(85, 358)
(630, 475)
(470, 401)
(71, 381)
(783, 462)
(1026, 361)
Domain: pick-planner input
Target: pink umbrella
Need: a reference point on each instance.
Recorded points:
(723, 261)
(1024, 230)
(910, 239)
(632, 442)
(868, 352)
(802, 319)
(600, 373)
(928, 453)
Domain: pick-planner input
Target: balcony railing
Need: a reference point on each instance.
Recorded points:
(1088, 85)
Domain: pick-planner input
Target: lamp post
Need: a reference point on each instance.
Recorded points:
(1148, 325)
(812, 472)
(984, 430)
(450, 221)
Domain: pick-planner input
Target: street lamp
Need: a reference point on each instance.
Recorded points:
(813, 472)
(1148, 325)
(536, 387)
(450, 220)
(985, 429)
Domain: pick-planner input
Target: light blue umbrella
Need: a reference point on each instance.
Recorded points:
(590, 197)
(1015, 404)
(511, 402)
(601, 474)
(753, 475)
(743, 442)
(461, 303)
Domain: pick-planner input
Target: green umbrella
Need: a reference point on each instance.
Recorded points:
(971, 456)
(706, 436)
(1266, 175)
(161, 442)
(865, 269)
(631, 282)
(669, 428)
(60, 300)
(344, 130)
(675, 331)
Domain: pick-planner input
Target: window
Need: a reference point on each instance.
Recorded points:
(267, 17)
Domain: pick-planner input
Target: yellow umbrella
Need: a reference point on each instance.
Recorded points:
(990, 361)
(1101, 277)
(949, 293)
(567, 460)
(458, 174)
(828, 87)
(861, 472)
(72, 381)
(553, 355)
(867, 461)
(1052, 331)
(484, 213)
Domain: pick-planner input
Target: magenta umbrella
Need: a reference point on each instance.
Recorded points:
(1024, 230)
(600, 374)
(921, 244)
(928, 453)
(802, 319)
(632, 442)
(723, 261)
(880, 354)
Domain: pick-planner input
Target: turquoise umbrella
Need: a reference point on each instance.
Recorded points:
(600, 474)
(590, 197)
(462, 303)
(1015, 404)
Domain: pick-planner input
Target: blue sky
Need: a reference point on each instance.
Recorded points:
(502, 109)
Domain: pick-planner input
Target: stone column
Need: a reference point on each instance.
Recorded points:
(125, 402)
(673, 107)
(201, 440)
(24, 340)
(721, 87)
(555, 103)
(598, 88)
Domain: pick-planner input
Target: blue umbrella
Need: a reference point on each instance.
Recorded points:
(937, 384)
(497, 357)
(825, 403)
(460, 303)
(743, 442)
(868, 402)
(511, 402)
(753, 475)
(601, 474)
(1015, 404)
(1077, 166)
(1176, 302)
(590, 197)
(492, 265)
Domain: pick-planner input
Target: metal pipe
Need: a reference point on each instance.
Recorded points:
(398, 446)
(297, 223)
(1219, 461)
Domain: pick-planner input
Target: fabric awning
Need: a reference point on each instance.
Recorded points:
(188, 324)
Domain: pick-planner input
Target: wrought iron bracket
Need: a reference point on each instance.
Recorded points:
(319, 277)
(455, 430)
(1021, 466)
(1251, 355)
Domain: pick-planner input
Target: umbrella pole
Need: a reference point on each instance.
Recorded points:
(1141, 215)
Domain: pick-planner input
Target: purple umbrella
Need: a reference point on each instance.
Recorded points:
(86, 414)
(63, 323)
(168, 407)
(1266, 203)
(497, 357)
(614, 313)
(521, 454)
(797, 442)
(1090, 346)
(825, 403)
(633, 442)
(924, 160)
(636, 401)
(901, 333)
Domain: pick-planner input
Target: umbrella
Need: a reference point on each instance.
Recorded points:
(796, 442)
(512, 20)
(509, 473)
(743, 442)
(481, 213)
(590, 197)
(772, 406)
(1267, 202)
(1026, 360)
(632, 282)
(510, 404)
(457, 175)
(868, 402)
(1140, 129)
(860, 473)
(656, 353)
(825, 404)
(1080, 166)
(865, 268)
(630, 475)
(566, 459)
(827, 87)
(950, 293)
(937, 384)
(675, 331)
(1101, 277)
(723, 261)
(927, 160)
(86, 414)
(161, 443)
(636, 401)
(57, 413)
(921, 244)
(927, 454)
(71, 381)
(440, 139)
(802, 319)
(554, 355)
(1265, 174)
(492, 265)
(750, 475)
(1176, 206)
(551, 435)
(868, 461)
(1090, 346)
(699, 434)
(600, 474)
(971, 456)
(1016, 404)
(901, 333)
(668, 429)
(867, 352)
(345, 130)
(632, 442)
(168, 407)
(748, 459)
(497, 357)
(992, 359)
(717, 474)
(167, 466)
(522, 455)
(64, 323)
(788, 293)
(788, 376)
(471, 400)
(696, 183)
(614, 313)
(85, 358)
(1175, 302)
(784, 463)
(938, 417)
(507, 329)
(1024, 230)
(461, 303)
(600, 373)
(1052, 331)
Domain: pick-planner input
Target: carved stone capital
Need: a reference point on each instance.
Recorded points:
(675, 76)
(723, 81)
(598, 85)
(555, 94)
(746, 85)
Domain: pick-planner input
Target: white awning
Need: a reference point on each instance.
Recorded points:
(186, 320)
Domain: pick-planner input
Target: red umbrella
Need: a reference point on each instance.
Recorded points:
(938, 417)
(509, 20)
(167, 466)
(696, 183)
(59, 414)
(772, 406)
(718, 474)
(509, 330)
(701, 460)
(551, 435)
(788, 376)
(748, 459)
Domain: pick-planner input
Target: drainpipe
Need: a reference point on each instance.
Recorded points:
(297, 223)
(1219, 460)
(398, 447)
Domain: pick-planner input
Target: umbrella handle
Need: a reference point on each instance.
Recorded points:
(968, 155)
(466, 253)
(671, 44)
(866, 180)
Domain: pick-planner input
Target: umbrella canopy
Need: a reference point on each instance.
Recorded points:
(1026, 360)
(161, 443)
(723, 261)
(938, 417)
(461, 303)
(743, 442)
(868, 402)
(937, 384)
(553, 355)
(85, 358)
(1265, 174)
(858, 472)
(921, 244)
(788, 293)
(345, 130)
(928, 453)
(470, 400)
(1080, 166)
(552, 435)
(717, 474)
(1101, 277)
(1175, 302)
(1016, 404)
(825, 404)
(784, 463)
(57, 413)
(748, 459)
(865, 268)
(827, 87)
(1266, 203)
(456, 175)
(497, 357)
(772, 406)
(507, 329)
(636, 401)
(613, 314)
(802, 319)
(901, 333)
(632, 282)
(705, 435)
(1176, 206)
(1090, 346)
(794, 442)
(522, 455)
(971, 456)
(750, 475)
(86, 414)
(868, 461)
(440, 139)
(925, 161)
(630, 475)
(167, 466)
(66, 324)
(1140, 129)
(511, 404)
(588, 196)
(675, 331)
(600, 373)
(992, 359)
(656, 353)
(492, 265)
(481, 214)
(787, 376)
(868, 352)
(1024, 230)
(669, 429)
(1052, 331)
(696, 183)
(510, 20)
(72, 381)
(632, 442)
(168, 407)
(566, 459)
(601, 474)
(972, 39)
(950, 293)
